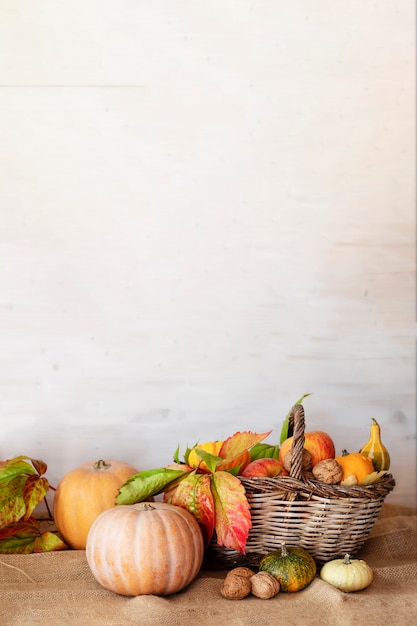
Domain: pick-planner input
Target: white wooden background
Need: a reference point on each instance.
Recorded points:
(207, 210)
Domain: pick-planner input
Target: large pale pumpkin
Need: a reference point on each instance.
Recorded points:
(145, 548)
(85, 492)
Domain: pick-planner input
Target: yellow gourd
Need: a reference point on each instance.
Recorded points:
(375, 449)
(194, 459)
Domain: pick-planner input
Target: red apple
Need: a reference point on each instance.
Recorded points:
(318, 443)
(264, 467)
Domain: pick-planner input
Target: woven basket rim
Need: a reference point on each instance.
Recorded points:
(303, 488)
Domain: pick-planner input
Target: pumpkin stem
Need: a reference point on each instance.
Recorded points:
(145, 506)
(284, 551)
(101, 465)
(346, 560)
(345, 453)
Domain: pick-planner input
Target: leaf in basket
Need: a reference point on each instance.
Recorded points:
(194, 494)
(264, 451)
(287, 429)
(349, 481)
(232, 514)
(238, 443)
(372, 478)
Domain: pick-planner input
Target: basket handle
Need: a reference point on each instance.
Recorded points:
(296, 419)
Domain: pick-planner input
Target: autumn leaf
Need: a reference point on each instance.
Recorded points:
(22, 488)
(232, 514)
(193, 493)
(148, 483)
(20, 528)
(39, 466)
(12, 505)
(26, 537)
(14, 467)
(48, 542)
(34, 491)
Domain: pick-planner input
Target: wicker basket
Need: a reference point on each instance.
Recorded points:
(329, 521)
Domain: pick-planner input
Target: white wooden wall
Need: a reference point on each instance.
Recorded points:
(207, 210)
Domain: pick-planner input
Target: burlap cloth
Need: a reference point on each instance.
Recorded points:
(58, 589)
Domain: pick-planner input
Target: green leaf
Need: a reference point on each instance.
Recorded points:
(48, 542)
(194, 494)
(143, 485)
(287, 430)
(17, 544)
(264, 451)
(15, 467)
(176, 455)
(232, 514)
(209, 459)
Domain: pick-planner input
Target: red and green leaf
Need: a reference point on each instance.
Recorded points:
(26, 537)
(34, 491)
(22, 488)
(235, 445)
(232, 514)
(12, 504)
(193, 493)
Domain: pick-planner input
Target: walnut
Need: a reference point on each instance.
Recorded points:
(264, 585)
(241, 571)
(328, 471)
(235, 587)
(307, 462)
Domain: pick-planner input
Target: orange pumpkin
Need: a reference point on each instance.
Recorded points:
(85, 492)
(355, 464)
(145, 548)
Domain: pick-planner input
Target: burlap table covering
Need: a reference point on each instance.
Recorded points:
(58, 589)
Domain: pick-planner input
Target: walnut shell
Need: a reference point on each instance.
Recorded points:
(328, 471)
(241, 571)
(264, 585)
(235, 587)
(307, 462)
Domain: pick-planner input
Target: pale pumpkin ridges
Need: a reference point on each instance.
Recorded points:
(159, 553)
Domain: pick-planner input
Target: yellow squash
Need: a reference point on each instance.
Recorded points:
(375, 449)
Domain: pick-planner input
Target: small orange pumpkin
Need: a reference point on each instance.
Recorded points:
(85, 492)
(355, 464)
(145, 548)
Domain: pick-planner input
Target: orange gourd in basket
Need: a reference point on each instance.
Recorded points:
(355, 464)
